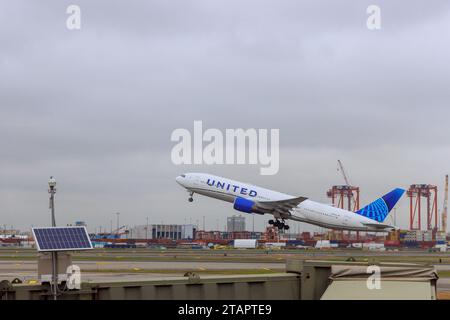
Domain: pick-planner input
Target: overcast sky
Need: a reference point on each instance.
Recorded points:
(96, 107)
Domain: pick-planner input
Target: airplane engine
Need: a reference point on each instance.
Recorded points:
(243, 205)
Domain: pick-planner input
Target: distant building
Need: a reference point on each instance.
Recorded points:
(236, 224)
(163, 231)
(80, 224)
(8, 232)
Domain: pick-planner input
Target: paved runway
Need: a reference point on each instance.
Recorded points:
(22, 266)
(27, 270)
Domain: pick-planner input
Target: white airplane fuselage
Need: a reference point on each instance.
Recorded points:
(308, 211)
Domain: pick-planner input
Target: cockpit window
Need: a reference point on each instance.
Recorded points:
(183, 176)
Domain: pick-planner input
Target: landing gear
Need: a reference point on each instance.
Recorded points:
(190, 199)
(281, 225)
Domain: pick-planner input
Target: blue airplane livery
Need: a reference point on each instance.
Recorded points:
(234, 188)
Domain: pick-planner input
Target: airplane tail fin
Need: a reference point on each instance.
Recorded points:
(380, 208)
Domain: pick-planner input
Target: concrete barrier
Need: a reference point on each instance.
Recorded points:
(282, 286)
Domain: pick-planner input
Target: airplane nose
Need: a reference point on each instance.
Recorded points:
(179, 179)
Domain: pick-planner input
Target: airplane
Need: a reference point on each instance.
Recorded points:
(252, 199)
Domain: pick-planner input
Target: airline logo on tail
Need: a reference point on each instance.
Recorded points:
(380, 208)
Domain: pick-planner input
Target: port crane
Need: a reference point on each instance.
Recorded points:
(341, 168)
(444, 209)
(347, 181)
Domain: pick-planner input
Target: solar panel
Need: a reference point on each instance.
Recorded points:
(62, 239)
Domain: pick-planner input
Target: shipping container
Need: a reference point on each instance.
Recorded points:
(323, 244)
(244, 243)
(276, 245)
(294, 242)
(411, 244)
(392, 243)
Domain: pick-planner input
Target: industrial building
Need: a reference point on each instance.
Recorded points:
(236, 223)
(163, 231)
(225, 235)
(6, 233)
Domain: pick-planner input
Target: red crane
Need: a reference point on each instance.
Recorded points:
(415, 193)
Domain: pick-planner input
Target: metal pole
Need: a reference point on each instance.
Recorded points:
(436, 227)
(411, 216)
(395, 216)
(54, 253)
(55, 274)
(419, 206)
(117, 213)
(146, 231)
(52, 205)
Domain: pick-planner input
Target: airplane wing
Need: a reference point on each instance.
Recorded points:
(379, 226)
(281, 207)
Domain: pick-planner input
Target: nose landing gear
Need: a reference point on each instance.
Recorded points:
(190, 199)
(281, 225)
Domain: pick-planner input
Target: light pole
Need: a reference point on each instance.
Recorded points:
(52, 191)
(395, 216)
(146, 231)
(118, 214)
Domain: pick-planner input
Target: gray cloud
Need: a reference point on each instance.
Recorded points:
(96, 107)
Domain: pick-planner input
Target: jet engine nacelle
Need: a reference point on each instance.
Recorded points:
(244, 205)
